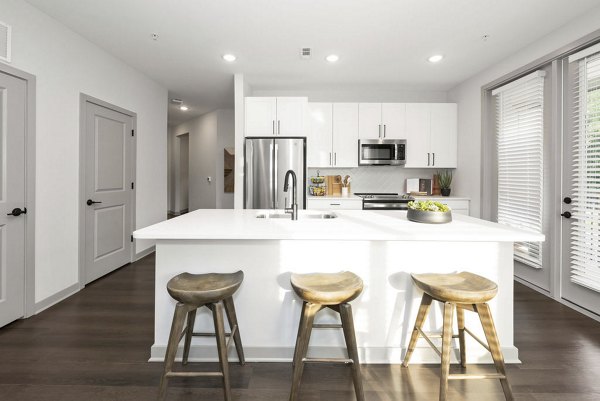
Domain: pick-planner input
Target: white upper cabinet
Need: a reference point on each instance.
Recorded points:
(261, 116)
(431, 135)
(418, 128)
(382, 120)
(345, 134)
(444, 132)
(393, 118)
(291, 116)
(281, 116)
(369, 121)
(319, 138)
(332, 140)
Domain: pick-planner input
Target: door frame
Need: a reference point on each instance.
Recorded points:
(30, 120)
(83, 100)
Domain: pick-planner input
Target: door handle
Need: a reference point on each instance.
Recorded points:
(379, 130)
(384, 130)
(274, 128)
(17, 212)
(335, 158)
(428, 159)
(567, 200)
(566, 215)
(278, 127)
(330, 159)
(433, 164)
(91, 202)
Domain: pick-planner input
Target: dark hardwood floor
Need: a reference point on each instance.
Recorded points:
(95, 346)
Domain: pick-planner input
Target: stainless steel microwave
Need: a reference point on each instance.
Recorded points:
(384, 152)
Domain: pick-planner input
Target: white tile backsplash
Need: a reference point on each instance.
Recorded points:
(376, 178)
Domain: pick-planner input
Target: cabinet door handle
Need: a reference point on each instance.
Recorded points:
(428, 159)
(335, 158)
(330, 159)
(273, 127)
(380, 130)
(433, 159)
(384, 130)
(278, 127)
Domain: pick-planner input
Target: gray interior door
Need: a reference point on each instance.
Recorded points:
(108, 190)
(12, 198)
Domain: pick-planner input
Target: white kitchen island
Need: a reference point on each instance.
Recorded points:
(382, 247)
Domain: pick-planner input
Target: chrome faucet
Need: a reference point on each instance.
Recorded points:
(294, 209)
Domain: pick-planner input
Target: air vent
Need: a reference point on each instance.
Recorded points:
(4, 42)
(306, 53)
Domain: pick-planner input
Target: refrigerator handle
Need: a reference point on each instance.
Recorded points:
(275, 192)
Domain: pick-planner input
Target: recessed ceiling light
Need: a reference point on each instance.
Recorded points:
(332, 58)
(435, 58)
(229, 58)
(183, 108)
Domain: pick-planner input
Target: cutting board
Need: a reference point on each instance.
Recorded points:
(334, 185)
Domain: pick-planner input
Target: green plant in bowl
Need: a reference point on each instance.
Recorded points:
(428, 206)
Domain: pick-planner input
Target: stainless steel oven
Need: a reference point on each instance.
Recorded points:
(383, 152)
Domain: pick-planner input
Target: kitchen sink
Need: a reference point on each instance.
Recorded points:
(301, 216)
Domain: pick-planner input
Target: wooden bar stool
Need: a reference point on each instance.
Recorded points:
(192, 291)
(333, 291)
(460, 291)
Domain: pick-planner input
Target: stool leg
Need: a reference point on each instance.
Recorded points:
(460, 318)
(423, 311)
(174, 337)
(191, 319)
(217, 309)
(348, 327)
(446, 347)
(306, 322)
(483, 310)
(300, 325)
(232, 319)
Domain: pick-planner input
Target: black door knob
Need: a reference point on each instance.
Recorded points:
(567, 200)
(91, 202)
(566, 215)
(17, 212)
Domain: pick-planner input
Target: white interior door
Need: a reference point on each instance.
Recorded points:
(580, 269)
(12, 198)
(108, 186)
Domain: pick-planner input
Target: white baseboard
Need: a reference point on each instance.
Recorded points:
(56, 298)
(374, 355)
(145, 252)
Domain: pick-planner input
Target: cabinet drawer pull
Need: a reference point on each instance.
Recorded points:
(335, 204)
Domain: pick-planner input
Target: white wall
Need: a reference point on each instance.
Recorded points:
(67, 65)
(468, 96)
(208, 135)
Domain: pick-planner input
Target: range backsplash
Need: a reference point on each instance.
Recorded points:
(376, 178)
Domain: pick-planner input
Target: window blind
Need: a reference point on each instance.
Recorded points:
(585, 229)
(520, 144)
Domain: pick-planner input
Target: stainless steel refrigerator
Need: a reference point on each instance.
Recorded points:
(267, 159)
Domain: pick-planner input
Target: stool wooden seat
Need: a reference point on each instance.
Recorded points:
(333, 291)
(192, 291)
(460, 292)
(463, 288)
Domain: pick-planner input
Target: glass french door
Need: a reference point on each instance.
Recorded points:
(580, 268)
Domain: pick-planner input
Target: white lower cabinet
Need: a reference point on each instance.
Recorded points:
(334, 204)
(458, 206)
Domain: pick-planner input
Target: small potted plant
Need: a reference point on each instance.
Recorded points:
(445, 180)
(427, 211)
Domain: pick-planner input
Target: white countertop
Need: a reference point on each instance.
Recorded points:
(359, 225)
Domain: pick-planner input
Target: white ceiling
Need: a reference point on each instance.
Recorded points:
(380, 42)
